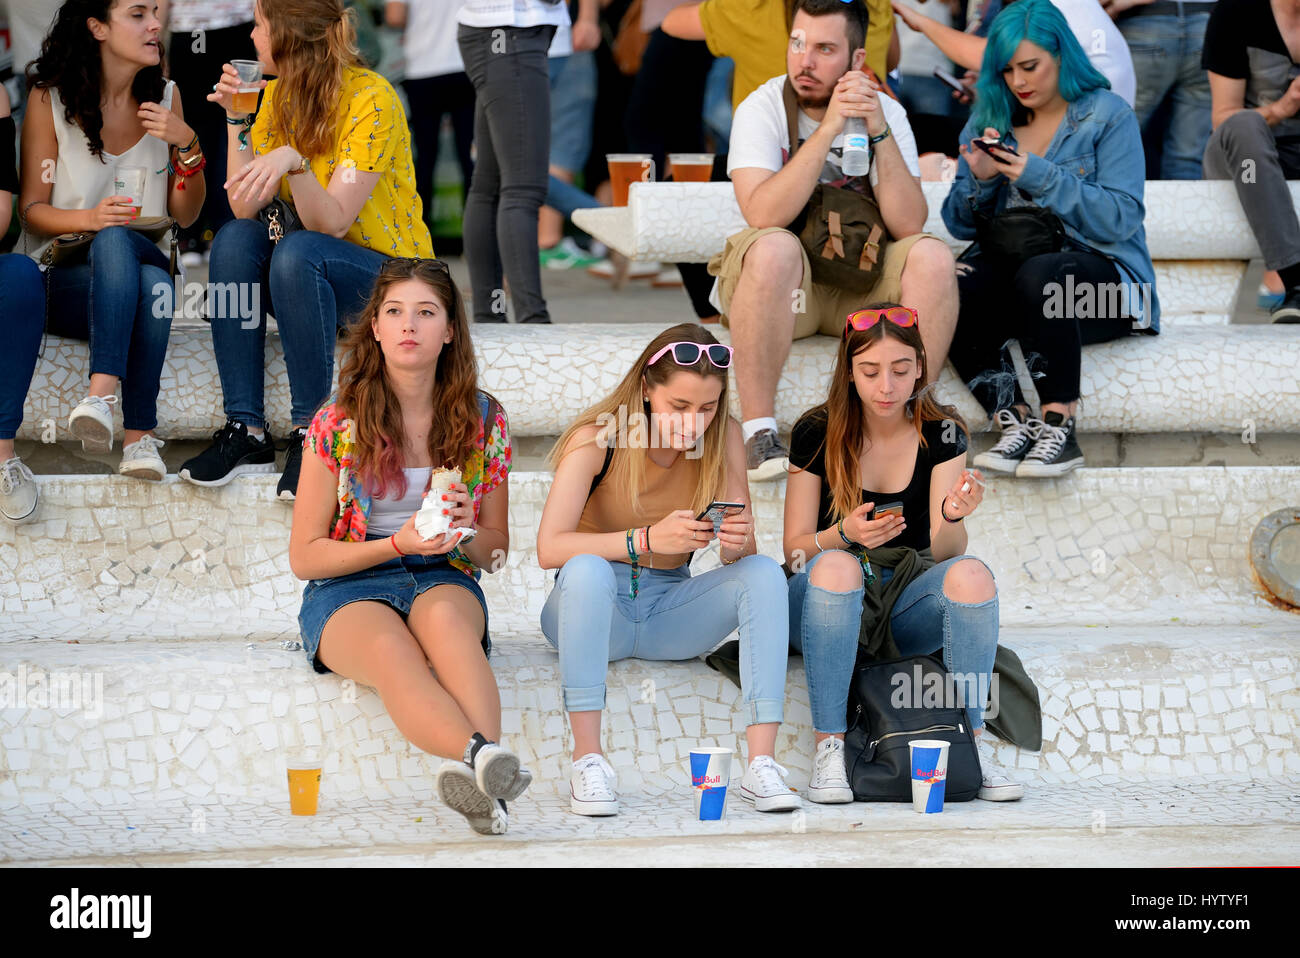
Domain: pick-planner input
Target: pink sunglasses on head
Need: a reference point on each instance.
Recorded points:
(688, 354)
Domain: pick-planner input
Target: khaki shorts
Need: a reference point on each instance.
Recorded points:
(826, 306)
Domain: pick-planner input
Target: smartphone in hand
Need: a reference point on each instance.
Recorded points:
(719, 511)
(994, 148)
(949, 79)
(888, 509)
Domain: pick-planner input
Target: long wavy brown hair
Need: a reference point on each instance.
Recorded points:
(627, 469)
(845, 418)
(71, 63)
(312, 43)
(366, 396)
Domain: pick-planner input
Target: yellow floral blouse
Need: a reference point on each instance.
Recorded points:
(372, 136)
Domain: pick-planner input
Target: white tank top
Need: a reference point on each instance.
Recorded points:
(81, 179)
(389, 515)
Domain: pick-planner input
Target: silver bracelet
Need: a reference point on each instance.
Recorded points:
(817, 541)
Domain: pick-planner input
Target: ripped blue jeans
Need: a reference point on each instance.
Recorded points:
(824, 626)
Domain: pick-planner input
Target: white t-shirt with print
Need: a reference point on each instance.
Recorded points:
(512, 13)
(760, 137)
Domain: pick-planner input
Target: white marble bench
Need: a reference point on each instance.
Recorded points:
(1188, 379)
(1197, 234)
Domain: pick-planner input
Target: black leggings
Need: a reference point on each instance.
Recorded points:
(431, 99)
(1054, 304)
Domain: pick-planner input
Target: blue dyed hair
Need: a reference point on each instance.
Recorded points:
(1042, 24)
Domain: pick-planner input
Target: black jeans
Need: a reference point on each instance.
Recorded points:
(194, 74)
(1054, 304)
(431, 99)
(665, 115)
(512, 128)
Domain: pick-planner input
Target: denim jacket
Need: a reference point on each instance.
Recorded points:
(1093, 177)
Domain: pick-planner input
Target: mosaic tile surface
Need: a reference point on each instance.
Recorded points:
(179, 720)
(1191, 378)
(114, 558)
(1103, 814)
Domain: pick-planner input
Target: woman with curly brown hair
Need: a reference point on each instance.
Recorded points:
(328, 149)
(385, 605)
(100, 103)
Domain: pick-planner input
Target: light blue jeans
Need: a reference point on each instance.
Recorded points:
(1166, 53)
(824, 626)
(592, 620)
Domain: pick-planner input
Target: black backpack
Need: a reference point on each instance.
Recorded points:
(876, 754)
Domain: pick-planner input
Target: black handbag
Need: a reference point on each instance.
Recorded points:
(1014, 235)
(280, 219)
(72, 249)
(886, 712)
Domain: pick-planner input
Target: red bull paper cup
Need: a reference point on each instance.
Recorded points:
(929, 760)
(710, 775)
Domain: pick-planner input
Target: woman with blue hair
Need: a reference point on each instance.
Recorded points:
(1050, 187)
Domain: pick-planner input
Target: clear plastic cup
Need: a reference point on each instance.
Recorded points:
(304, 784)
(690, 167)
(250, 75)
(626, 169)
(129, 181)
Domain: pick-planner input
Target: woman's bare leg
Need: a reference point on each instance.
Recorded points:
(447, 621)
(369, 643)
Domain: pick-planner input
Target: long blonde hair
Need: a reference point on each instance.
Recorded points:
(312, 43)
(627, 470)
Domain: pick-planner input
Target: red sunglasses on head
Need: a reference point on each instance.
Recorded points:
(861, 319)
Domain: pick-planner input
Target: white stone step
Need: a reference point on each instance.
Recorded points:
(115, 558)
(196, 721)
(1110, 820)
(1192, 378)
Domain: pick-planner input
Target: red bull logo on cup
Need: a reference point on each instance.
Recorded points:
(709, 774)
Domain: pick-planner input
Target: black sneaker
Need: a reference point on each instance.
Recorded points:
(1287, 311)
(766, 456)
(287, 488)
(233, 453)
(1055, 451)
(1007, 453)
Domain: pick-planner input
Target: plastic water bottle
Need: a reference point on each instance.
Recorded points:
(856, 159)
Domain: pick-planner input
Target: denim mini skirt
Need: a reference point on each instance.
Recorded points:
(396, 583)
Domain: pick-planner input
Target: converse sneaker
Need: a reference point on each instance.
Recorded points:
(1055, 450)
(287, 487)
(92, 423)
(1288, 309)
(766, 456)
(498, 772)
(460, 792)
(1007, 453)
(995, 784)
(830, 782)
(140, 460)
(764, 787)
(18, 494)
(233, 453)
(591, 786)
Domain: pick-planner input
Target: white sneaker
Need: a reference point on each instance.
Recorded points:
(764, 787)
(830, 782)
(140, 460)
(591, 786)
(460, 792)
(499, 774)
(92, 423)
(18, 493)
(995, 784)
(608, 268)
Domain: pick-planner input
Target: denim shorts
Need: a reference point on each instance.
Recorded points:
(396, 583)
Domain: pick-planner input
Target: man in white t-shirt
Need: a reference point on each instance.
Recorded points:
(765, 289)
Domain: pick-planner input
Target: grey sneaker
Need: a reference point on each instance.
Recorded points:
(18, 494)
(766, 456)
(1009, 451)
(92, 423)
(140, 460)
(458, 789)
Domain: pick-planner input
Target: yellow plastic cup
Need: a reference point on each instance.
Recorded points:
(304, 787)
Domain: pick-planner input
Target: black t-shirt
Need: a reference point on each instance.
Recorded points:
(8, 162)
(1242, 42)
(807, 452)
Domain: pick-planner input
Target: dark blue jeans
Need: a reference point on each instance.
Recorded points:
(121, 300)
(321, 282)
(22, 317)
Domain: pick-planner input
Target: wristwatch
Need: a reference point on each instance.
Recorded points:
(300, 168)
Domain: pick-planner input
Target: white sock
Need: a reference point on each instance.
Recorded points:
(255, 433)
(751, 426)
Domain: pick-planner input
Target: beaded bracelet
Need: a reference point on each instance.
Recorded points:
(636, 563)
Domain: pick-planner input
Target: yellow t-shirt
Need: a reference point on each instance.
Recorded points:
(755, 35)
(372, 136)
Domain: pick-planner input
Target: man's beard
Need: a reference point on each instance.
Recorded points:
(810, 103)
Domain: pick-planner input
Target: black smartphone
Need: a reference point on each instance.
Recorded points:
(888, 509)
(994, 148)
(718, 511)
(949, 79)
